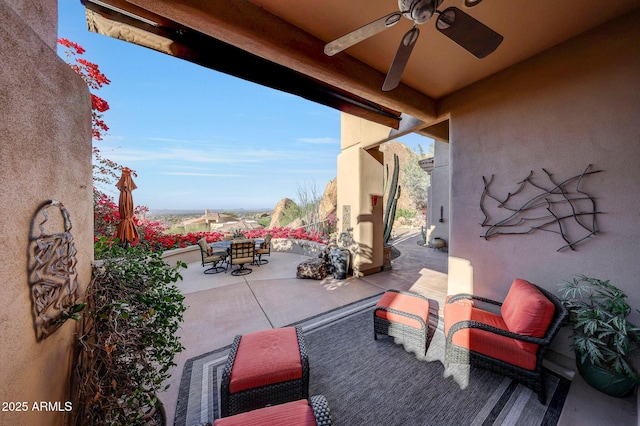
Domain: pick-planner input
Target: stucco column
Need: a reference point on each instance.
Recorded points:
(360, 192)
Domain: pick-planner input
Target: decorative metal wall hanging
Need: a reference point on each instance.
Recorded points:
(564, 208)
(52, 264)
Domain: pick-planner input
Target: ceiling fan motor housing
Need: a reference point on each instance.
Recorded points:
(419, 11)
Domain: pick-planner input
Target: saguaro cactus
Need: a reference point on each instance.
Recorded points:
(392, 198)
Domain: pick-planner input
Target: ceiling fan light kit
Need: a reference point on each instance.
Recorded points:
(469, 33)
(471, 3)
(419, 11)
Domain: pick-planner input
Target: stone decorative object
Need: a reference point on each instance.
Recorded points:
(52, 264)
(313, 269)
(438, 243)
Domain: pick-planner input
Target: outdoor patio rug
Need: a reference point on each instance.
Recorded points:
(369, 382)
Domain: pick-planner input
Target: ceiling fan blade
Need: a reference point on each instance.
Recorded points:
(471, 34)
(362, 33)
(400, 60)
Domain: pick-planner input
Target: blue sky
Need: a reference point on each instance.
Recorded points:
(201, 139)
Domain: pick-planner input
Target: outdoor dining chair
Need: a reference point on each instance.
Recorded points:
(241, 253)
(214, 256)
(263, 250)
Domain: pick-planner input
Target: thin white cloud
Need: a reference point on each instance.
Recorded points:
(308, 171)
(208, 156)
(320, 141)
(201, 174)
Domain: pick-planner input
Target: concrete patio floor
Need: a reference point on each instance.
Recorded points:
(220, 306)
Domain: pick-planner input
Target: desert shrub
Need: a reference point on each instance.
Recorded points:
(406, 213)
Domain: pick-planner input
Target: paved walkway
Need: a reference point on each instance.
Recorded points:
(220, 306)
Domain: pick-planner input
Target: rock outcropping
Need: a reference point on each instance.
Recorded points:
(278, 211)
(329, 201)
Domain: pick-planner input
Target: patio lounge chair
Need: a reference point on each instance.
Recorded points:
(241, 253)
(512, 342)
(214, 256)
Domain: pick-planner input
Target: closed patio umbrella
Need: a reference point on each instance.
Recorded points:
(127, 232)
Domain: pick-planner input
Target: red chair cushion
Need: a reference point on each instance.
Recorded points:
(485, 342)
(266, 357)
(404, 303)
(527, 311)
(296, 413)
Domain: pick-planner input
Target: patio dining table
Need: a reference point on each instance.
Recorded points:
(226, 244)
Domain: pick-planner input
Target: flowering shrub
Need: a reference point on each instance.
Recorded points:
(104, 170)
(153, 235)
(280, 232)
(94, 78)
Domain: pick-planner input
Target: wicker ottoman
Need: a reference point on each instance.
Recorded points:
(403, 315)
(299, 413)
(265, 368)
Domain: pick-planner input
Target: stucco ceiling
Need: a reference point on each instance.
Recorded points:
(292, 33)
(438, 66)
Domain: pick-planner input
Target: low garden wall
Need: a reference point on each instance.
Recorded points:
(303, 247)
(189, 254)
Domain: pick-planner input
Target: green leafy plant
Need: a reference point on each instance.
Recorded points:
(602, 335)
(128, 339)
(291, 213)
(415, 181)
(406, 213)
(264, 221)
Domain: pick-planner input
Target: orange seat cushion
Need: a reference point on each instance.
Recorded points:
(527, 311)
(485, 342)
(266, 357)
(404, 303)
(296, 413)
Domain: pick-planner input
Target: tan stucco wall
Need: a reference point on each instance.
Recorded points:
(574, 105)
(360, 176)
(438, 194)
(45, 151)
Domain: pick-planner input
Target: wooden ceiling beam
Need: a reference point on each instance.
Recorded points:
(248, 27)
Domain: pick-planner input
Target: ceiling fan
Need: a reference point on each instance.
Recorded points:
(466, 31)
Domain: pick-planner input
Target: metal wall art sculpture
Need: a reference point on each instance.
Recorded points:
(564, 208)
(52, 264)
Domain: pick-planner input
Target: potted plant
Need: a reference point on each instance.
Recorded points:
(603, 339)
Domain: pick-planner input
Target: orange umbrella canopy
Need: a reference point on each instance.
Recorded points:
(126, 228)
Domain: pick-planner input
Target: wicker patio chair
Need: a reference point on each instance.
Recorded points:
(403, 315)
(214, 256)
(512, 343)
(241, 253)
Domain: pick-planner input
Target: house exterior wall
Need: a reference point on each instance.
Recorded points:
(438, 194)
(573, 105)
(360, 176)
(45, 151)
